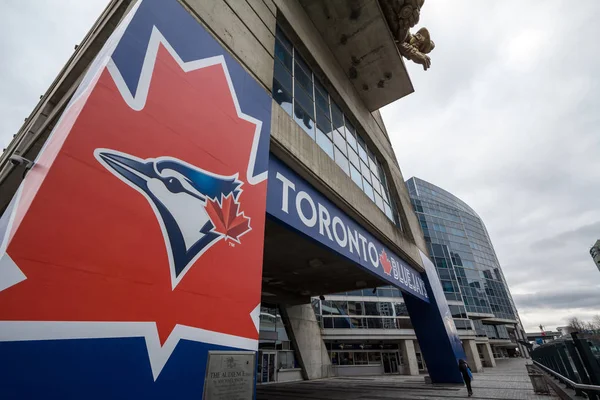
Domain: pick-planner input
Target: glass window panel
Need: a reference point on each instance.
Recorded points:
(351, 140)
(319, 86)
(369, 191)
(323, 121)
(365, 172)
(404, 323)
(340, 307)
(447, 286)
(302, 98)
(342, 323)
(379, 201)
(356, 176)
(300, 61)
(322, 102)
(283, 76)
(362, 150)
(389, 323)
(327, 308)
(401, 310)
(336, 116)
(385, 308)
(350, 127)
(304, 81)
(370, 293)
(376, 184)
(384, 194)
(376, 172)
(388, 211)
(282, 97)
(355, 308)
(324, 142)
(304, 120)
(353, 157)
(283, 55)
(342, 161)
(327, 322)
(374, 323)
(284, 40)
(339, 141)
(361, 358)
(371, 308)
(374, 358)
(372, 163)
(316, 304)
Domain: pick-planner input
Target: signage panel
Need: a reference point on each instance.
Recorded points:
(230, 375)
(134, 245)
(295, 202)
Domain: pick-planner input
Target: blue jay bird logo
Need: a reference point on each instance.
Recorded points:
(179, 194)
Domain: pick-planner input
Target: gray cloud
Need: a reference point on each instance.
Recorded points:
(36, 39)
(506, 119)
(563, 239)
(561, 299)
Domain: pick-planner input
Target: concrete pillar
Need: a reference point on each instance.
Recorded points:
(305, 333)
(472, 355)
(488, 356)
(409, 358)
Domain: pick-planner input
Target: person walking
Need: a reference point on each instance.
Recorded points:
(464, 369)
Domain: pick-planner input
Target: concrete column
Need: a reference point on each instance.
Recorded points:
(472, 355)
(409, 358)
(305, 334)
(488, 356)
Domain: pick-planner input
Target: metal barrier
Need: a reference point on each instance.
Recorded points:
(574, 362)
(574, 385)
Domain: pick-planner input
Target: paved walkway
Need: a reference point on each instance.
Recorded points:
(508, 380)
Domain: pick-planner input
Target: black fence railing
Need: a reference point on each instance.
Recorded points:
(577, 360)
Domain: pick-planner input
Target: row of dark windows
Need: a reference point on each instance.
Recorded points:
(358, 308)
(302, 96)
(364, 323)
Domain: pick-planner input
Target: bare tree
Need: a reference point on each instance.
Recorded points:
(596, 321)
(576, 324)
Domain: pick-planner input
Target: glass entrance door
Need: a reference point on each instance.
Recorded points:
(266, 366)
(390, 362)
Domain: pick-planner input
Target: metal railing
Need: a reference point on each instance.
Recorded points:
(574, 385)
(574, 361)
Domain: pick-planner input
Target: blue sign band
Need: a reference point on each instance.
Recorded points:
(293, 201)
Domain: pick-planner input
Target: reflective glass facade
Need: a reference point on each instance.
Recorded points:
(461, 248)
(358, 314)
(302, 96)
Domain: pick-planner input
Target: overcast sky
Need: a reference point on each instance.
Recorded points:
(506, 119)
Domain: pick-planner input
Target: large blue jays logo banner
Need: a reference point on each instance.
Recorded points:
(134, 246)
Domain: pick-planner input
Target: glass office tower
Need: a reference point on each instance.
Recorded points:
(460, 246)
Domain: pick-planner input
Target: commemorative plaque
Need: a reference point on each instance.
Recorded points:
(229, 375)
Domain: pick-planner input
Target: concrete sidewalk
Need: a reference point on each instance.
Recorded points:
(508, 380)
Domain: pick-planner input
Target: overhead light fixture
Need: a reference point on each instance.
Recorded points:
(322, 298)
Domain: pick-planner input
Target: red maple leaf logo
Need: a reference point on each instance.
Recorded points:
(385, 262)
(226, 217)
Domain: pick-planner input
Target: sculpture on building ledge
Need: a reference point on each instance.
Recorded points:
(401, 15)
